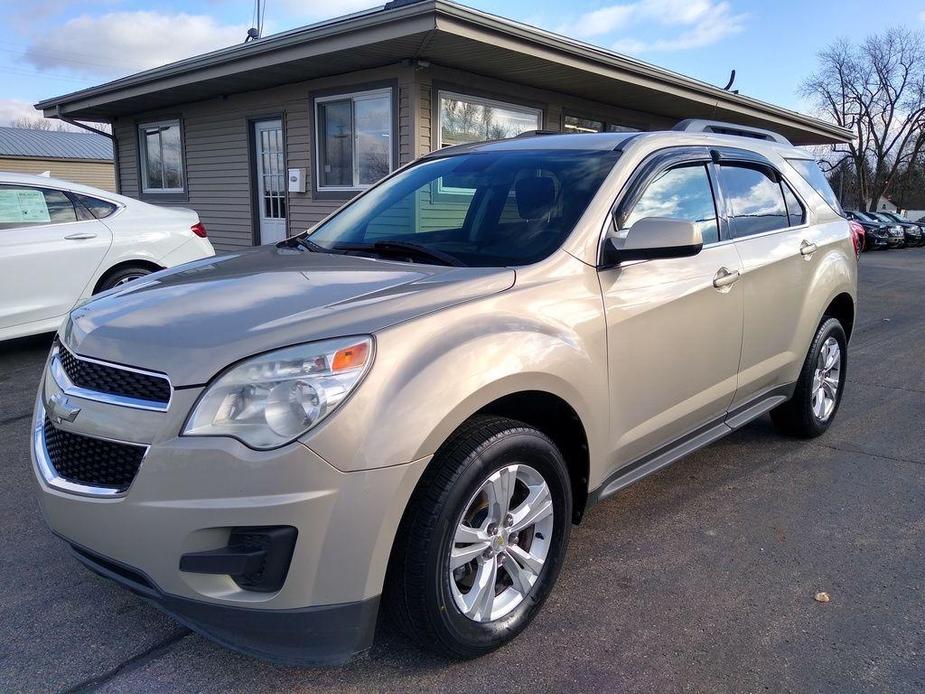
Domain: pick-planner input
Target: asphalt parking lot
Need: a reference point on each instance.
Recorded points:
(699, 578)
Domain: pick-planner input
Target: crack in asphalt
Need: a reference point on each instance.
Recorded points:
(151, 653)
(868, 453)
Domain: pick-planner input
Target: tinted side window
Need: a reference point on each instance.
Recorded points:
(813, 174)
(22, 206)
(99, 208)
(795, 210)
(682, 193)
(755, 201)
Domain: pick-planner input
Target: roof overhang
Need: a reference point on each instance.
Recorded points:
(446, 34)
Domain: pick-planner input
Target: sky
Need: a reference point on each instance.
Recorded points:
(52, 47)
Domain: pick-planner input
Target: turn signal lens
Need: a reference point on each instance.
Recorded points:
(352, 357)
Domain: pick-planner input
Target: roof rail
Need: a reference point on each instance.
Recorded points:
(700, 125)
(535, 133)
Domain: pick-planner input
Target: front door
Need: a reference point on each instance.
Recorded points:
(271, 180)
(674, 325)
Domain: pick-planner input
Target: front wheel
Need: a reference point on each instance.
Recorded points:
(820, 386)
(482, 541)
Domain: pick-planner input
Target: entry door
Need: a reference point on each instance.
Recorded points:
(674, 325)
(271, 180)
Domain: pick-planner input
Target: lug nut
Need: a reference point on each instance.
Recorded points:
(493, 529)
(487, 554)
(512, 540)
(508, 520)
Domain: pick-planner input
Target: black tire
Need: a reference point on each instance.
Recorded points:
(796, 416)
(122, 275)
(418, 593)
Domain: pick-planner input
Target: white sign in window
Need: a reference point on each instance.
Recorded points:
(23, 206)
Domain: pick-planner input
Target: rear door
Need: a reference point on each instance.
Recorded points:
(767, 221)
(674, 325)
(49, 250)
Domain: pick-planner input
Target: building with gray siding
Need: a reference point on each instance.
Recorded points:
(267, 138)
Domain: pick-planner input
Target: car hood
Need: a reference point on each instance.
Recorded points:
(192, 321)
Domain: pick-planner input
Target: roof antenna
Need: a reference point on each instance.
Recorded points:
(256, 31)
(732, 78)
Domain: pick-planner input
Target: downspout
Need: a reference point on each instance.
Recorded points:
(111, 136)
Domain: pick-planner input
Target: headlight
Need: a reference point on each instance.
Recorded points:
(271, 399)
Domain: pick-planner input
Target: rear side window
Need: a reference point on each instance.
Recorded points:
(755, 200)
(100, 209)
(681, 193)
(810, 171)
(22, 206)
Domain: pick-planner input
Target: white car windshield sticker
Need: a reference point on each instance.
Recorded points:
(23, 206)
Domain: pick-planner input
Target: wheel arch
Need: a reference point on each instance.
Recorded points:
(122, 265)
(842, 308)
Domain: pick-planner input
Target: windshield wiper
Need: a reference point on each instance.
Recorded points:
(402, 249)
(303, 242)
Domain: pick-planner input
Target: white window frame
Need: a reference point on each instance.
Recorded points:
(482, 101)
(354, 97)
(143, 156)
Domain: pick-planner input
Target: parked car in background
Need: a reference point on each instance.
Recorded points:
(61, 242)
(876, 234)
(896, 236)
(858, 236)
(414, 402)
(899, 219)
(912, 234)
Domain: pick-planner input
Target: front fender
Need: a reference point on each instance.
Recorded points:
(433, 373)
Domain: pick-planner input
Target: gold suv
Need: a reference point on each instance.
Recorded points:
(412, 403)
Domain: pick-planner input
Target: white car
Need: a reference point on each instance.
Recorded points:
(61, 242)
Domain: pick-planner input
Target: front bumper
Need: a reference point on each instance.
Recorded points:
(188, 496)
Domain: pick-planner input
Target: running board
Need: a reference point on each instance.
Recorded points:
(695, 440)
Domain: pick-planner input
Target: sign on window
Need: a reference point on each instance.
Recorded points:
(23, 207)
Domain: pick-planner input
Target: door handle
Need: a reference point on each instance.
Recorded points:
(80, 236)
(725, 278)
(807, 248)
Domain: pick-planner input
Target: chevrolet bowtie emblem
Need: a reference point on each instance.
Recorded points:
(61, 410)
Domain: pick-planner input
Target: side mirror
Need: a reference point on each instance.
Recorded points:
(655, 237)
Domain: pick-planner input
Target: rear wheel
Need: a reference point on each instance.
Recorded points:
(483, 539)
(123, 276)
(820, 386)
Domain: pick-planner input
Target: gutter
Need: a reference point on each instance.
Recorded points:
(110, 135)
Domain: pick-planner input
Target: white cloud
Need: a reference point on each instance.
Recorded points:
(123, 42)
(688, 23)
(11, 109)
(313, 10)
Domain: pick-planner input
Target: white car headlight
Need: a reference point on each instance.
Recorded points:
(269, 400)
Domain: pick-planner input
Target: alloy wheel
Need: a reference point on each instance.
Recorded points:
(826, 379)
(501, 542)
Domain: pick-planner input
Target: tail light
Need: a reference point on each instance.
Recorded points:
(200, 230)
(857, 237)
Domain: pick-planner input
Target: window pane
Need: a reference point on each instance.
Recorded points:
(795, 211)
(336, 156)
(755, 200)
(810, 171)
(170, 141)
(99, 208)
(683, 193)
(463, 120)
(573, 124)
(28, 206)
(153, 165)
(374, 128)
(615, 128)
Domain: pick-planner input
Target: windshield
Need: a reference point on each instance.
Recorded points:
(866, 216)
(479, 209)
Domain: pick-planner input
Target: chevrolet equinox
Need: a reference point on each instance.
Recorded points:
(412, 403)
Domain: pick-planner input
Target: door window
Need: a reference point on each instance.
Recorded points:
(681, 193)
(796, 213)
(755, 200)
(22, 206)
(99, 209)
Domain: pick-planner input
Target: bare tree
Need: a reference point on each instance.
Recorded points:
(877, 90)
(39, 123)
